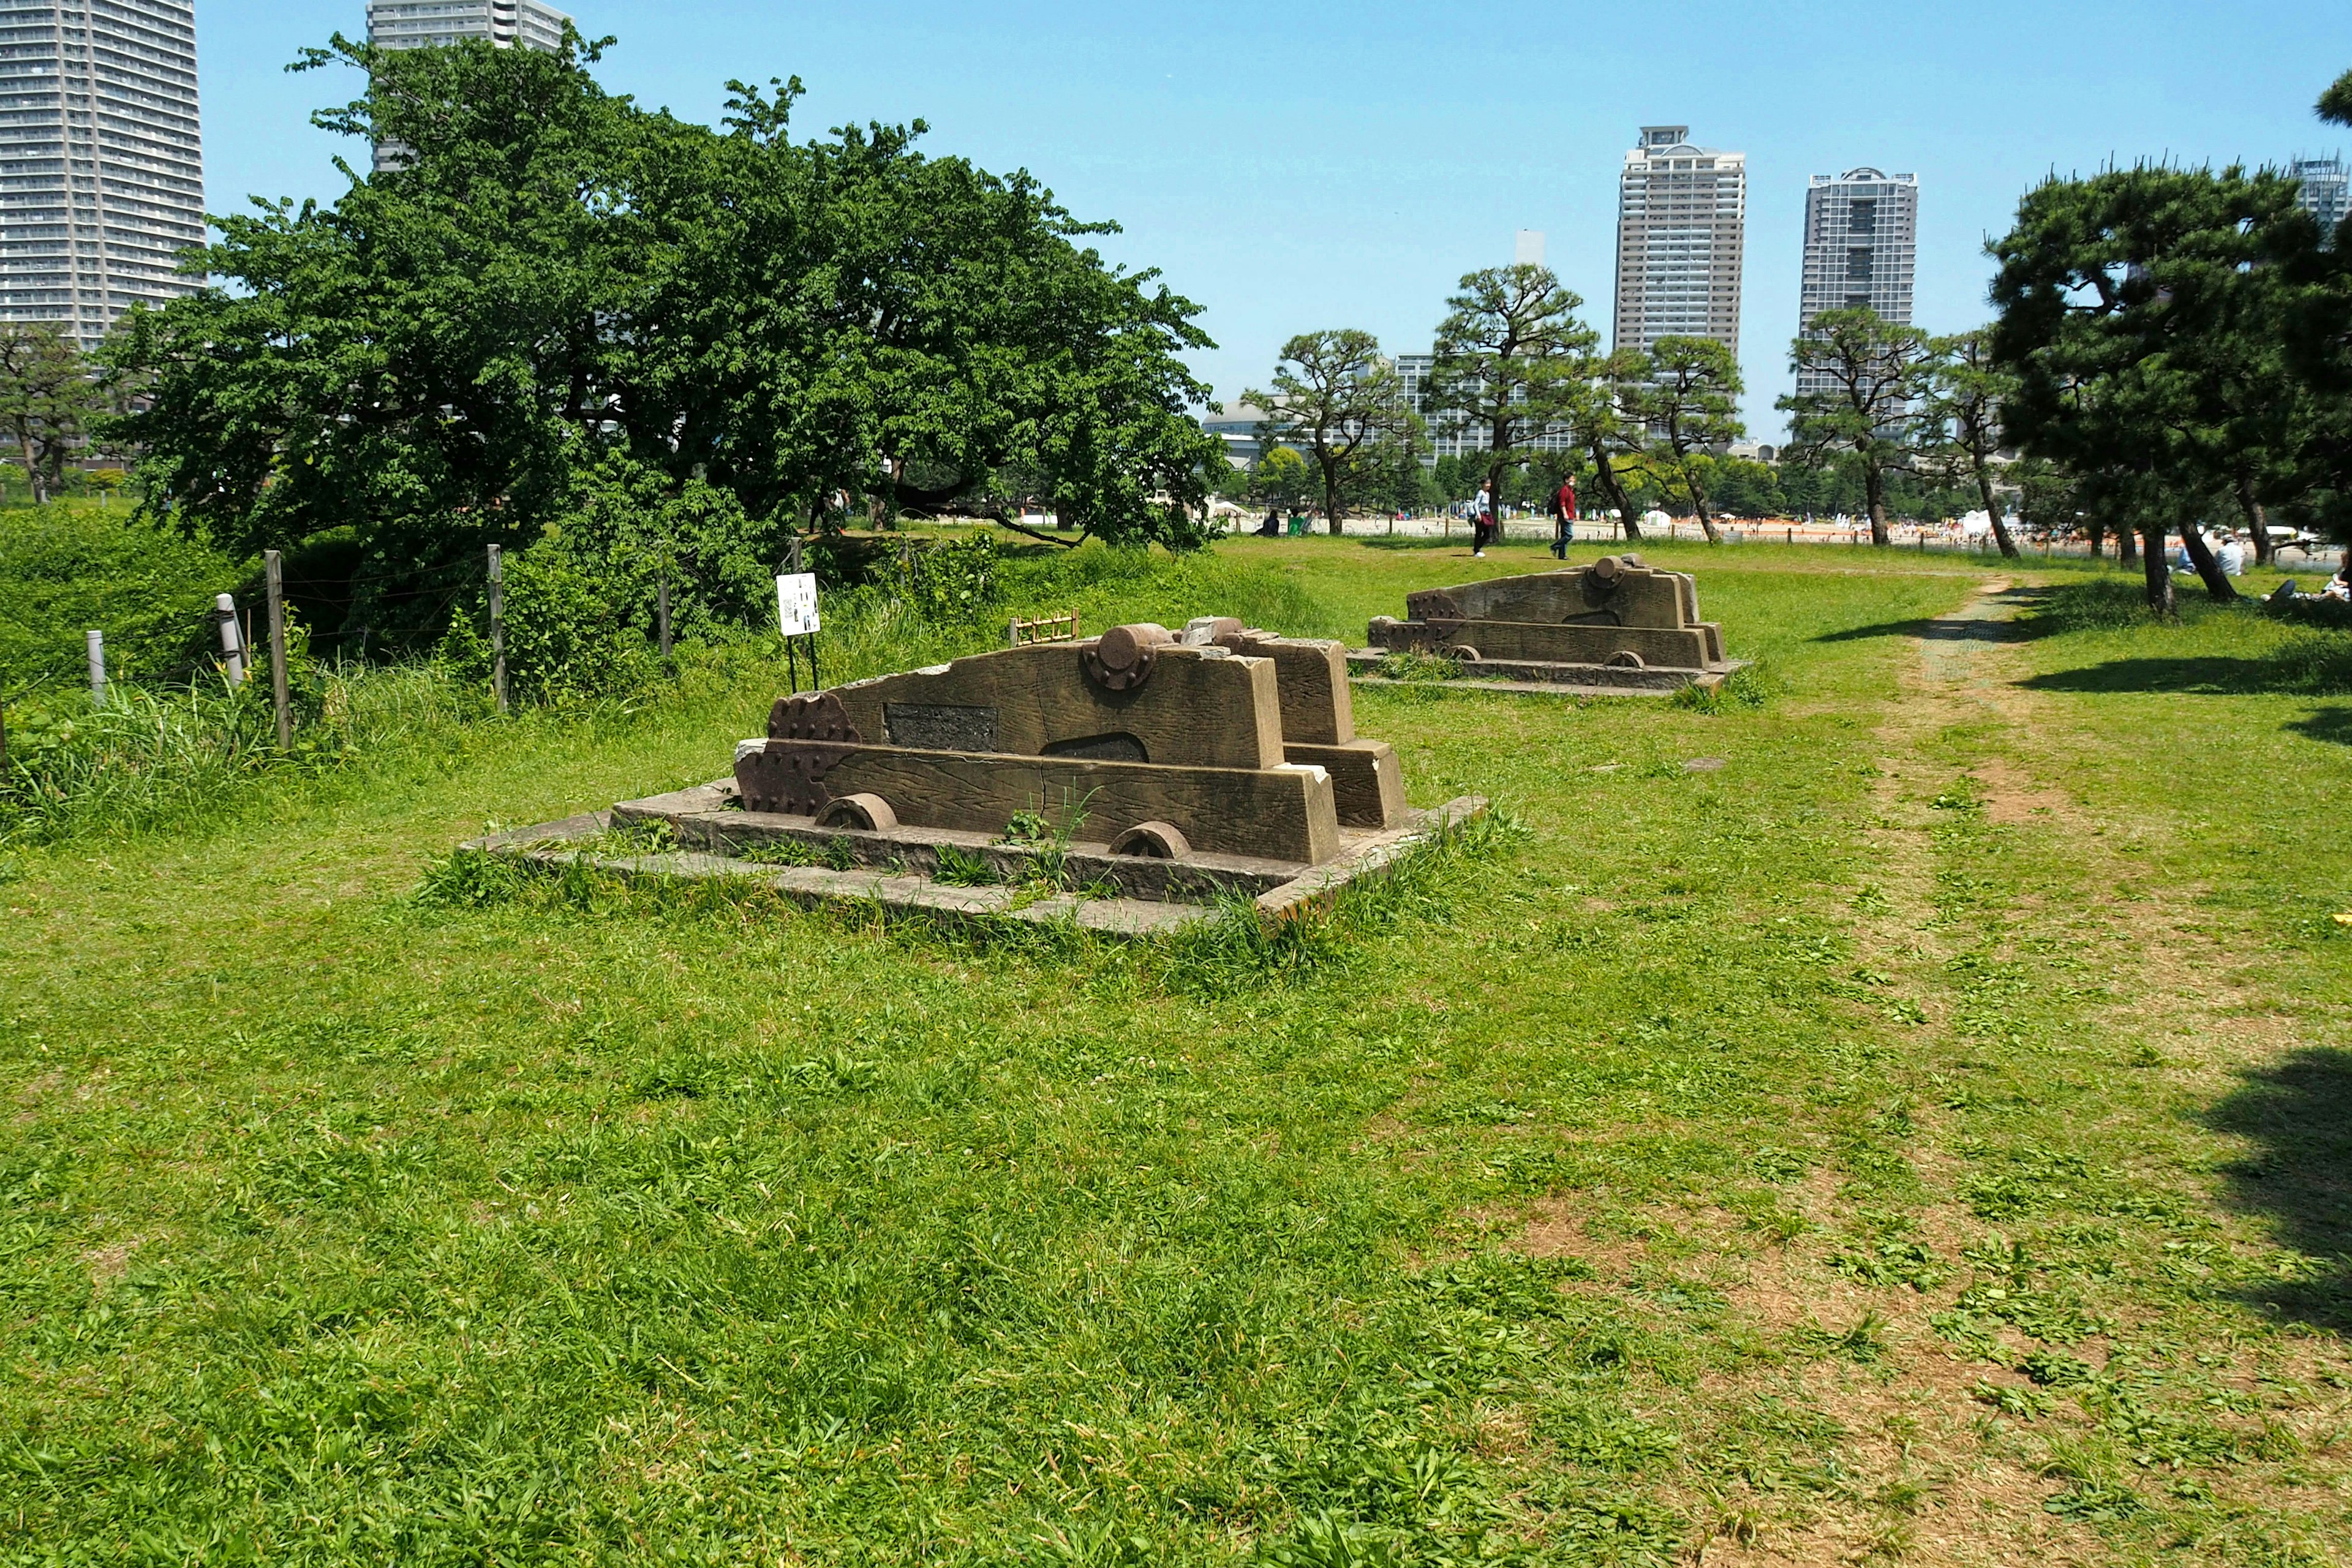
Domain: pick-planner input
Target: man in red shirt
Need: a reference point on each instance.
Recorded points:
(1563, 517)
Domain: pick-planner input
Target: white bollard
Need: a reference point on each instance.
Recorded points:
(96, 643)
(232, 645)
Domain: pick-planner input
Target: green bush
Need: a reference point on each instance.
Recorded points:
(955, 581)
(565, 642)
(65, 568)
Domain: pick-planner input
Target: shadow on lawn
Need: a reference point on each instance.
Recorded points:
(2294, 672)
(2326, 724)
(1991, 627)
(2298, 1116)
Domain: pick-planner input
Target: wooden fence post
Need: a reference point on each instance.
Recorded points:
(274, 574)
(661, 612)
(498, 630)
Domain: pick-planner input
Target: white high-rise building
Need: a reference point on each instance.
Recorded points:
(2326, 192)
(101, 160)
(1682, 228)
(1862, 248)
(418, 24)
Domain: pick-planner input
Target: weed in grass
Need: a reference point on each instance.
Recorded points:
(2094, 1502)
(1413, 666)
(961, 868)
(2054, 1368)
(778, 852)
(2027, 1404)
(1744, 690)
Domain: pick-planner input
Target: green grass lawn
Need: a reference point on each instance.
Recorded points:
(1923, 1137)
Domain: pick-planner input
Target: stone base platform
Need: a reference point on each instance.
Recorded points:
(1529, 678)
(902, 868)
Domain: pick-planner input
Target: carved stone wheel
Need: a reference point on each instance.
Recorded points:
(1156, 840)
(1121, 658)
(1462, 651)
(861, 812)
(1626, 658)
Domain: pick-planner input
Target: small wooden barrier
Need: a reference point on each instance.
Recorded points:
(1019, 633)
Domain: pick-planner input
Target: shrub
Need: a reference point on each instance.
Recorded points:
(564, 640)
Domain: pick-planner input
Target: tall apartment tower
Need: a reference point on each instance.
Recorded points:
(1682, 226)
(1862, 248)
(2326, 192)
(101, 160)
(417, 24)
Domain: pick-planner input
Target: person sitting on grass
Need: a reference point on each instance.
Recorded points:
(2230, 557)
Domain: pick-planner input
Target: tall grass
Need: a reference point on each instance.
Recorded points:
(159, 757)
(150, 758)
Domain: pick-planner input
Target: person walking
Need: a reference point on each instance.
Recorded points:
(1482, 519)
(1563, 517)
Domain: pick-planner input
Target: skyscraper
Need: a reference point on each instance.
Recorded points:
(2326, 192)
(1862, 248)
(416, 23)
(101, 158)
(1682, 226)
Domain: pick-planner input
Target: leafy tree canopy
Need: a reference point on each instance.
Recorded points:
(1336, 399)
(1871, 370)
(550, 291)
(1509, 354)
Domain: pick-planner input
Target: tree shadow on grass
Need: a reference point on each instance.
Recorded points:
(2297, 671)
(2298, 1116)
(1957, 629)
(2332, 724)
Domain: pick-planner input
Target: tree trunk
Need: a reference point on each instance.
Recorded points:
(2156, 571)
(1330, 491)
(1606, 478)
(2126, 547)
(2097, 530)
(1992, 511)
(1873, 486)
(32, 468)
(2256, 518)
(1698, 504)
(2217, 584)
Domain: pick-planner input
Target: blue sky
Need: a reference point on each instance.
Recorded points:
(1317, 164)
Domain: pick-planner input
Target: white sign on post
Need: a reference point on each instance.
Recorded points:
(797, 603)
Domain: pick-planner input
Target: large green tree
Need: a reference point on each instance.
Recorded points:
(47, 400)
(554, 290)
(2131, 304)
(1600, 413)
(1690, 404)
(1336, 398)
(1506, 362)
(1870, 373)
(1959, 420)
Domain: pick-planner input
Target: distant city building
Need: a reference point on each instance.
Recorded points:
(1237, 425)
(1450, 435)
(423, 24)
(1862, 248)
(419, 24)
(1682, 223)
(2326, 191)
(101, 160)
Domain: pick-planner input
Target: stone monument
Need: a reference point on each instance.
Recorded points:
(1617, 623)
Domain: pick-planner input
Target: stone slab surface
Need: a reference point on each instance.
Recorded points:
(896, 887)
